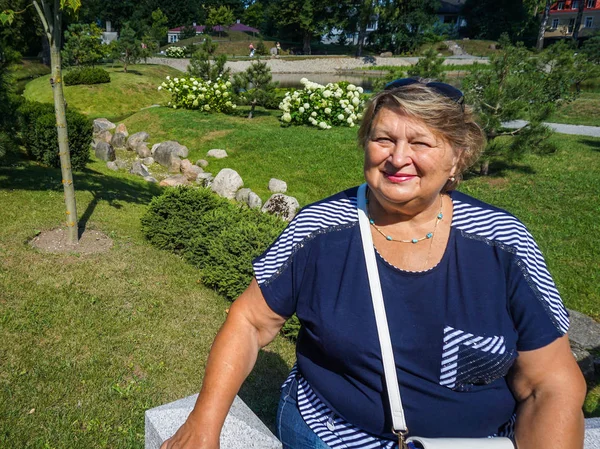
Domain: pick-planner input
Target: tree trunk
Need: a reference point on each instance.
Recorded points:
(54, 35)
(542, 29)
(253, 105)
(361, 37)
(306, 41)
(578, 20)
(484, 168)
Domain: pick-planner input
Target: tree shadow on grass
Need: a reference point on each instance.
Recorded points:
(594, 144)
(261, 389)
(500, 169)
(29, 176)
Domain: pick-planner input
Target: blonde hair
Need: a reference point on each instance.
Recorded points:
(453, 122)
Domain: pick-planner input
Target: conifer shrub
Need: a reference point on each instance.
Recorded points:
(37, 122)
(86, 75)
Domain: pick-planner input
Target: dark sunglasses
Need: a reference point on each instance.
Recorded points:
(444, 89)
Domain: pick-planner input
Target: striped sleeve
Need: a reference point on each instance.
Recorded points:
(535, 303)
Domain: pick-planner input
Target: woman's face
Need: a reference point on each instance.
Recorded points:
(405, 162)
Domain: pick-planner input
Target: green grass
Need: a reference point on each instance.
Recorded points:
(583, 111)
(27, 70)
(477, 47)
(126, 94)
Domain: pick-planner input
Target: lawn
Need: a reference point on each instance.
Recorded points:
(126, 93)
(585, 110)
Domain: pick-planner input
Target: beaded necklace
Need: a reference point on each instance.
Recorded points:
(389, 238)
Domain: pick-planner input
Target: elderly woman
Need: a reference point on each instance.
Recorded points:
(477, 325)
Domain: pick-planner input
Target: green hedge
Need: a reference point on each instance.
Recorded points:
(219, 237)
(37, 122)
(86, 75)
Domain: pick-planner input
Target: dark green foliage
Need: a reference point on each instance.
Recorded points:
(6, 144)
(38, 127)
(261, 48)
(429, 66)
(187, 32)
(86, 75)
(128, 48)
(201, 65)
(591, 49)
(255, 86)
(490, 19)
(83, 45)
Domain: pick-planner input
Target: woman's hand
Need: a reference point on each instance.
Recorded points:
(190, 436)
(550, 391)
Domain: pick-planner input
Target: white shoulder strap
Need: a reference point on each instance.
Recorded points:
(389, 366)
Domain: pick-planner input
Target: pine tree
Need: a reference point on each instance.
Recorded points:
(255, 85)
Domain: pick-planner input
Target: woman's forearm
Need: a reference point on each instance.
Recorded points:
(550, 421)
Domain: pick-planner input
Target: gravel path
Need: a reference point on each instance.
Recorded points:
(578, 130)
(315, 65)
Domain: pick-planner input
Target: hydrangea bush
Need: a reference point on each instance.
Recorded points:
(336, 104)
(175, 52)
(193, 93)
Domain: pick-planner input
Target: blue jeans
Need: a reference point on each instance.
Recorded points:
(293, 432)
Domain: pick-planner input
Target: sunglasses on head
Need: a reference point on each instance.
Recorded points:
(444, 89)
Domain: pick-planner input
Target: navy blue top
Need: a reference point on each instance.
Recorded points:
(455, 328)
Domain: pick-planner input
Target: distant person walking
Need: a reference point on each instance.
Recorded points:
(251, 47)
(278, 46)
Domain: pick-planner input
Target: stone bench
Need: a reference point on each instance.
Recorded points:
(243, 429)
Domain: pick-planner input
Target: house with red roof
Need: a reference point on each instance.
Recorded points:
(174, 33)
(563, 14)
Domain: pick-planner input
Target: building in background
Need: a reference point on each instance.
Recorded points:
(563, 14)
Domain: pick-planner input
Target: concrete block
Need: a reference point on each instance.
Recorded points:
(242, 428)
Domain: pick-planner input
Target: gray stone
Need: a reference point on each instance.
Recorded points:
(121, 128)
(150, 179)
(143, 151)
(227, 183)
(242, 195)
(285, 207)
(139, 169)
(174, 181)
(101, 124)
(205, 179)
(112, 165)
(242, 428)
(190, 170)
(592, 433)
(148, 161)
(254, 201)
(217, 154)
(277, 186)
(202, 163)
(119, 141)
(104, 151)
(175, 165)
(584, 360)
(103, 136)
(165, 152)
(154, 147)
(136, 139)
(123, 165)
(584, 330)
(386, 54)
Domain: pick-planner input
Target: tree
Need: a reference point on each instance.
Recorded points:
(255, 85)
(580, 7)
(187, 32)
(489, 19)
(83, 45)
(127, 49)
(517, 85)
(201, 65)
(50, 14)
(542, 29)
(159, 29)
(254, 15)
(221, 16)
(428, 66)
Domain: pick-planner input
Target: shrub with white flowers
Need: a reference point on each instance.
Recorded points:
(175, 52)
(193, 93)
(336, 104)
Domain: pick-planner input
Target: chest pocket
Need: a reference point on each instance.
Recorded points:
(469, 360)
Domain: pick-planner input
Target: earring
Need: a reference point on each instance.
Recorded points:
(452, 179)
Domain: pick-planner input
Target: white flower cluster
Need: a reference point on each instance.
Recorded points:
(175, 52)
(336, 104)
(192, 93)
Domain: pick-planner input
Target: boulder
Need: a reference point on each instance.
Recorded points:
(154, 147)
(584, 331)
(136, 139)
(148, 161)
(123, 165)
(277, 186)
(492, 47)
(104, 151)
(254, 201)
(143, 151)
(174, 165)
(119, 141)
(205, 179)
(103, 136)
(190, 170)
(285, 207)
(242, 195)
(584, 360)
(166, 151)
(112, 165)
(202, 163)
(121, 128)
(217, 154)
(227, 183)
(102, 124)
(150, 179)
(174, 181)
(386, 54)
(139, 169)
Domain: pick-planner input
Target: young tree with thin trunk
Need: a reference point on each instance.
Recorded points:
(50, 13)
(542, 30)
(580, 9)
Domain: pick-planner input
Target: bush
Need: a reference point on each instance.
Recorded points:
(38, 127)
(7, 144)
(86, 75)
(336, 104)
(175, 52)
(192, 93)
(212, 233)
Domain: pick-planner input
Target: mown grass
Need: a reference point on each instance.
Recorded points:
(126, 93)
(477, 47)
(27, 70)
(585, 110)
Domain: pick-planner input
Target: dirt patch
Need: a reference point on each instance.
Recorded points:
(497, 182)
(55, 241)
(215, 134)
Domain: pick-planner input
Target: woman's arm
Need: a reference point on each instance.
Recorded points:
(249, 326)
(550, 391)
